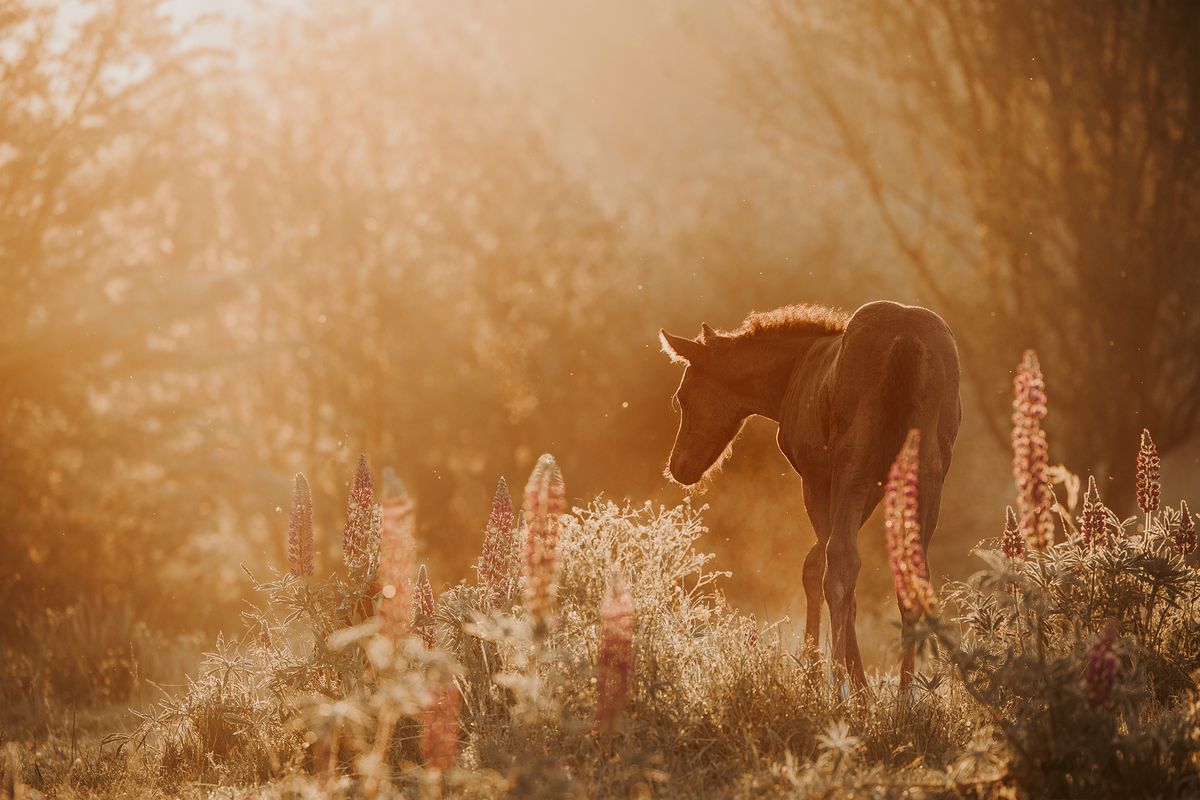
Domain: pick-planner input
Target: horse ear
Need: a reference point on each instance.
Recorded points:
(680, 349)
(706, 332)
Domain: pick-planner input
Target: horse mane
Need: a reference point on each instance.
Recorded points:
(807, 318)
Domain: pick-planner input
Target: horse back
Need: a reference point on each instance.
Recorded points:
(894, 367)
(897, 368)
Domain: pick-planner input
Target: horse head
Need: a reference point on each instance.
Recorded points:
(711, 413)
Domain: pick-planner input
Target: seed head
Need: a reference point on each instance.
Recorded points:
(1031, 457)
(545, 503)
(1184, 536)
(396, 550)
(615, 668)
(423, 606)
(439, 726)
(1148, 465)
(496, 563)
(300, 528)
(903, 530)
(1012, 544)
(1091, 522)
(1101, 669)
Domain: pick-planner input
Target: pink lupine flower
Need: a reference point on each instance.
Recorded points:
(423, 606)
(1100, 673)
(360, 514)
(1031, 458)
(496, 561)
(439, 726)
(751, 632)
(545, 503)
(1148, 465)
(396, 550)
(902, 527)
(1012, 544)
(1091, 523)
(1184, 536)
(300, 528)
(615, 668)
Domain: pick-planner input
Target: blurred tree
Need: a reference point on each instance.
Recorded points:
(1037, 166)
(109, 280)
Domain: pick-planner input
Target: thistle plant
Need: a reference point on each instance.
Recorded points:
(1092, 532)
(1101, 670)
(545, 503)
(1031, 457)
(615, 668)
(300, 528)
(902, 528)
(1184, 535)
(1012, 543)
(423, 608)
(1148, 485)
(439, 726)
(496, 563)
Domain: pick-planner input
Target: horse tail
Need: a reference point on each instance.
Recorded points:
(904, 379)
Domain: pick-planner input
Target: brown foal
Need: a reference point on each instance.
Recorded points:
(844, 389)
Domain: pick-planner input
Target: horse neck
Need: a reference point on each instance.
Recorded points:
(766, 368)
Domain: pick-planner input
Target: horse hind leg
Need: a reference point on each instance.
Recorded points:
(841, 574)
(931, 476)
(816, 502)
(814, 595)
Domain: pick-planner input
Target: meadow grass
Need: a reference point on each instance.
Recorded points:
(596, 656)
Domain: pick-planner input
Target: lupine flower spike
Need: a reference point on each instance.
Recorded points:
(545, 503)
(615, 667)
(423, 607)
(439, 726)
(496, 560)
(1091, 523)
(359, 518)
(751, 632)
(396, 549)
(300, 528)
(1098, 677)
(1031, 457)
(1012, 544)
(1148, 476)
(1185, 535)
(903, 529)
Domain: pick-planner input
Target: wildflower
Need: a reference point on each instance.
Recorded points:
(397, 544)
(439, 726)
(751, 632)
(903, 529)
(1185, 535)
(1091, 522)
(496, 560)
(300, 528)
(423, 606)
(615, 668)
(360, 513)
(1031, 457)
(1147, 475)
(1012, 544)
(545, 502)
(1101, 669)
